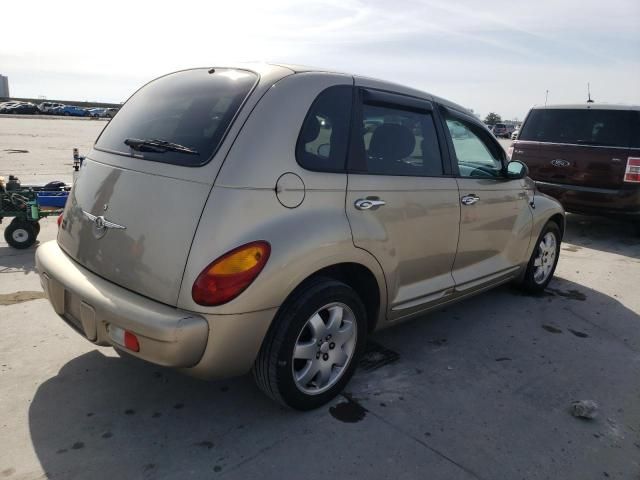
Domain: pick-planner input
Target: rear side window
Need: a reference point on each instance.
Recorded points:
(610, 128)
(192, 109)
(400, 142)
(324, 136)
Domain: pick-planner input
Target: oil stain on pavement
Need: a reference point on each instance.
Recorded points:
(349, 411)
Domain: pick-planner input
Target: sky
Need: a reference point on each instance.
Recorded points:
(487, 56)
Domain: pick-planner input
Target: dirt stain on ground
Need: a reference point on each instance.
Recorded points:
(19, 297)
(579, 334)
(205, 444)
(376, 356)
(348, 412)
(551, 329)
(570, 294)
(571, 248)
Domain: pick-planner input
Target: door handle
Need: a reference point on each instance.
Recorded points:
(369, 203)
(469, 199)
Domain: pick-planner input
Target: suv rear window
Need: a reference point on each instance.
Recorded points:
(192, 108)
(578, 126)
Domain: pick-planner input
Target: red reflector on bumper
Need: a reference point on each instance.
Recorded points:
(131, 341)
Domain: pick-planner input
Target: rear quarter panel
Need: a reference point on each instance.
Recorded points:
(244, 207)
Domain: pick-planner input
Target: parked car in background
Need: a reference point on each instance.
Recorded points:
(46, 107)
(97, 112)
(273, 261)
(110, 112)
(500, 130)
(19, 108)
(70, 110)
(4, 106)
(587, 156)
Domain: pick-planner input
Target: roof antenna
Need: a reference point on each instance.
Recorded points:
(589, 93)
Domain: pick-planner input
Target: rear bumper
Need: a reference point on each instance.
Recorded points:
(624, 202)
(205, 346)
(91, 305)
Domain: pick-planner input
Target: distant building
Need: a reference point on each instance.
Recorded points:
(4, 87)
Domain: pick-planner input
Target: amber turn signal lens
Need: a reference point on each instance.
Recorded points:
(228, 276)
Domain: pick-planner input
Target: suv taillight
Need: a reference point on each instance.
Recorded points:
(632, 173)
(228, 276)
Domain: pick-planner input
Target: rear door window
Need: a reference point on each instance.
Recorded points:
(606, 128)
(191, 109)
(397, 136)
(400, 142)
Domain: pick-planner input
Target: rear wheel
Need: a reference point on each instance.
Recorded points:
(313, 346)
(544, 259)
(20, 234)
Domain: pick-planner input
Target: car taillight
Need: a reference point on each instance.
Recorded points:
(632, 173)
(59, 221)
(228, 276)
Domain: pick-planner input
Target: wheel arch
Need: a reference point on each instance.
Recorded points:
(361, 279)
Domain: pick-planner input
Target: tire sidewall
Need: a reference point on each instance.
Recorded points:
(529, 279)
(296, 317)
(15, 225)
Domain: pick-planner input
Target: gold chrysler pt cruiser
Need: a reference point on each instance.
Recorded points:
(270, 217)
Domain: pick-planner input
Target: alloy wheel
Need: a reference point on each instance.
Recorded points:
(324, 348)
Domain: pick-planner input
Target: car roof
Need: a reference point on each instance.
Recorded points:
(395, 87)
(587, 106)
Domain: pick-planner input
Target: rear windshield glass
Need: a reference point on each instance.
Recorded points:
(191, 110)
(582, 127)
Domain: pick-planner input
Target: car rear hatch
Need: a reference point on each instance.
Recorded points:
(586, 147)
(134, 209)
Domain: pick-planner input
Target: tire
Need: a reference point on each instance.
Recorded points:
(542, 263)
(20, 234)
(292, 382)
(36, 228)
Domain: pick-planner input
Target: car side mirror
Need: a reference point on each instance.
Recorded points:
(517, 170)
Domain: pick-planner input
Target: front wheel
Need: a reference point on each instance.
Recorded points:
(544, 259)
(20, 234)
(313, 346)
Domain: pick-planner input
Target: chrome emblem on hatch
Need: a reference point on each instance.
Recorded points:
(560, 163)
(101, 224)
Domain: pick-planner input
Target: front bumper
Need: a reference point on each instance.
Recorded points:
(91, 305)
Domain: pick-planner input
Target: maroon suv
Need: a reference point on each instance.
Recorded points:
(587, 156)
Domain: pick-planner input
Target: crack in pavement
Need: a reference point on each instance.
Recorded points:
(603, 329)
(252, 457)
(419, 441)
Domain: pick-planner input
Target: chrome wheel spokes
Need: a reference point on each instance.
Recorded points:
(546, 258)
(324, 348)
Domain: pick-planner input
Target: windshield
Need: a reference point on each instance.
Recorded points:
(578, 126)
(193, 109)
